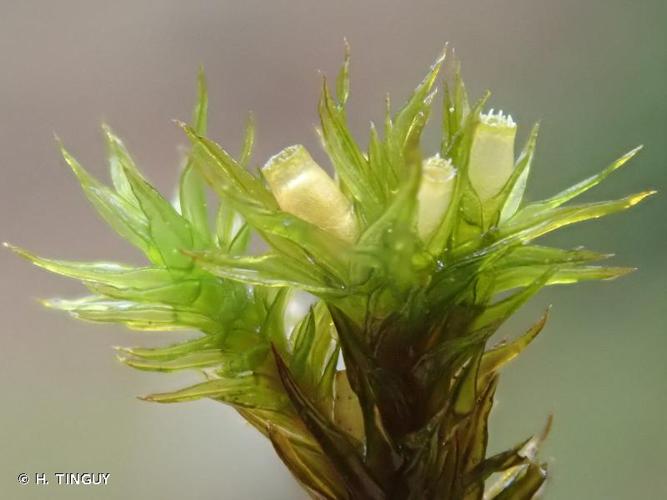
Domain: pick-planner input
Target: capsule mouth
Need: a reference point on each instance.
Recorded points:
(288, 156)
(499, 120)
(283, 169)
(438, 170)
(434, 194)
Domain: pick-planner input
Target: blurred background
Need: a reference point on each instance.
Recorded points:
(593, 72)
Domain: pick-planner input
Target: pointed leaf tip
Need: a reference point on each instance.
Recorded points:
(442, 55)
(11, 247)
(182, 124)
(343, 78)
(495, 358)
(639, 197)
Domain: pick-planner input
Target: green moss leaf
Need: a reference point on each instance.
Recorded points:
(138, 316)
(247, 391)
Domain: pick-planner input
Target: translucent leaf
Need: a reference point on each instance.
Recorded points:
(455, 108)
(516, 277)
(120, 214)
(343, 79)
(249, 391)
(323, 356)
(182, 293)
(266, 270)
(168, 230)
(200, 112)
(168, 352)
(419, 101)
(528, 255)
(227, 225)
(193, 204)
(512, 194)
(241, 241)
(380, 162)
(583, 186)
(195, 360)
(493, 359)
(108, 273)
(314, 355)
(523, 229)
(232, 233)
(273, 327)
(248, 142)
(301, 341)
(144, 284)
(137, 316)
(119, 161)
(350, 164)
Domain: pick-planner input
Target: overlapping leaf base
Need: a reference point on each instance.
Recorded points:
(411, 313)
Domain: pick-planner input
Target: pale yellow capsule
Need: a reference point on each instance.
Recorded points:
(492, 154)
(304, 189)
(435, 194)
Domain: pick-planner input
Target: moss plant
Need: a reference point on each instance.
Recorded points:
(414, 263)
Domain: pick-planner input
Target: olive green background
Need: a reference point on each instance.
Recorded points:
(593, 71)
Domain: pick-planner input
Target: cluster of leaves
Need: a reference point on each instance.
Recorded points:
(407, 416)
